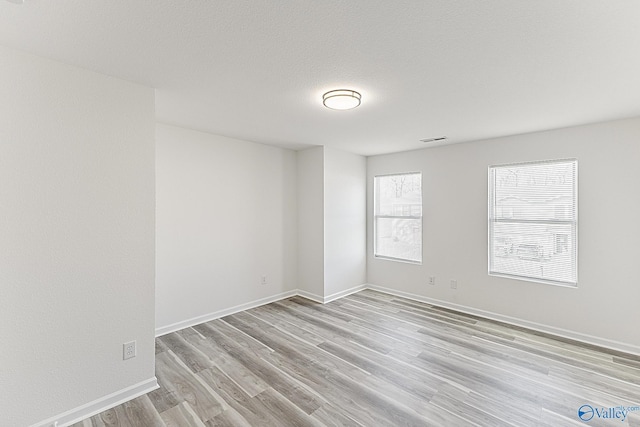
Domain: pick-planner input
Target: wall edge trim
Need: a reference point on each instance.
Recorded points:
(114, 399)
(164, 330)
(551, 330)
(101, 404)
(310, 296)
(344, 293)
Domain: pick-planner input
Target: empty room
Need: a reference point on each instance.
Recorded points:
(329, 213)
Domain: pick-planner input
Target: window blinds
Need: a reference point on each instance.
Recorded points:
(533, 214)
(398, 217)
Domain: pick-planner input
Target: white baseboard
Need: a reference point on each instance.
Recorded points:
(252, 304)
(308, 295)
(344, 293)
(221, 313)
(564, 333)
(325, 299)
(99, 405)
(577, 336)
(136, 390)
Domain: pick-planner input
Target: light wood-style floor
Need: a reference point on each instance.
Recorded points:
(372, 359)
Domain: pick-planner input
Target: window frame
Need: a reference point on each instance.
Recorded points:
(573, 223)
(376, 199)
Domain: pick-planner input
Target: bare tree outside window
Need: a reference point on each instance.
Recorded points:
(398, 217)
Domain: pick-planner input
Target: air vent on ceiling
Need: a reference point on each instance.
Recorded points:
(438, 139)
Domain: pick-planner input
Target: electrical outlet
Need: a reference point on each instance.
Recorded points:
(128, 350)
(454, 284)
(432, 280)
(264, 280)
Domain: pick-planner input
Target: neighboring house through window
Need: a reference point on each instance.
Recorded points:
(533, 221)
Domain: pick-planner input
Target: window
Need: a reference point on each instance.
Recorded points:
(533, 216)
(398, 217)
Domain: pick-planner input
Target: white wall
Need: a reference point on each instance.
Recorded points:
(604, 306)
(331, 222)
(226, 215)
(311, 222)
(345, 219)
(76, 226)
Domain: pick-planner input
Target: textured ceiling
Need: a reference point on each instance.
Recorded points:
(256, 70)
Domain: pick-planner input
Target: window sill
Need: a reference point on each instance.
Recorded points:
(404, 261)
(535, 280)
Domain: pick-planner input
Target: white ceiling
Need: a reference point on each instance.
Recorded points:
(256, 69)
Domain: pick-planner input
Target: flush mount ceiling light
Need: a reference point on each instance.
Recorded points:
(341, 99)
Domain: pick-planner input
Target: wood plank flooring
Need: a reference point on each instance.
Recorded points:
(372, 359)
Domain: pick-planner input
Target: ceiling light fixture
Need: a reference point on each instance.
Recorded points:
(341, 99)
